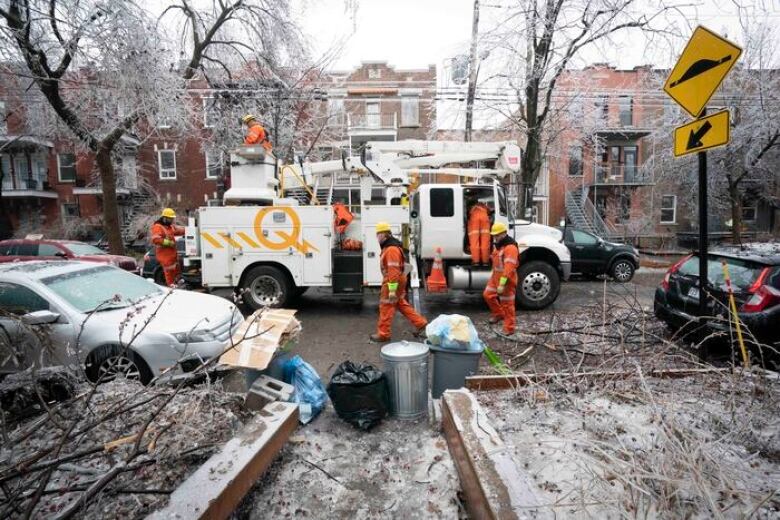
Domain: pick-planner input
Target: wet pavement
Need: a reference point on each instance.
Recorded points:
(337, 330)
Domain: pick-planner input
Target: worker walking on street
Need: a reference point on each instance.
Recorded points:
(392, 296)
(164, 233)
(479, 232)
(256, 133)
(500, 291)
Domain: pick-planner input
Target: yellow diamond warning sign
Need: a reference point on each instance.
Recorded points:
(699, 71)
(702, 134)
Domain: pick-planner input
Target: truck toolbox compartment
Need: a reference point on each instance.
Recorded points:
(348, 262)
(350, 283)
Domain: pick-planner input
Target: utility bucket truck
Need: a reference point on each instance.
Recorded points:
(276, 237)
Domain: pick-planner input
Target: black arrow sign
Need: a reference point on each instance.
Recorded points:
(699, 67)
(694, 139)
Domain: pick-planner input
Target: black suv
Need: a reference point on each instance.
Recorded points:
(592, 255)
(754, 270)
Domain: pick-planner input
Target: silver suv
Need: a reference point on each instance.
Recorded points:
(78, 313)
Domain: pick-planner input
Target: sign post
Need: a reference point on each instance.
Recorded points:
(699, 71)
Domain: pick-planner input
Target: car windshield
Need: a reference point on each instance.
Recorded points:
(743, 274)
(85, 249)
(105, 287)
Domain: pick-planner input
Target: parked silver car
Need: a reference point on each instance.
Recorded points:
(90, 313)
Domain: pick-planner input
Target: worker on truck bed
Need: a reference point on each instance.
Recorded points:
(256, 133)
(479, 232)
(393, 293)
(164, 233)
(500, 291)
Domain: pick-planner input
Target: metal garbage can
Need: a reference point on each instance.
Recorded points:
(451, 367)
(406, 369)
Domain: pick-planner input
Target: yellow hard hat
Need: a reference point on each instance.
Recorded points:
(382, 227)
(498, 228)
(247, 118)
(168, 212)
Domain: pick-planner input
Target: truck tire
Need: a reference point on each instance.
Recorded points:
(538, 284)
(266, 286)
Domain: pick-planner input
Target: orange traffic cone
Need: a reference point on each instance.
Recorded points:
(436, 282)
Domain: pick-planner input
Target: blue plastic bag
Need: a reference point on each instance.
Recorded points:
(310, 393)
(453, 331)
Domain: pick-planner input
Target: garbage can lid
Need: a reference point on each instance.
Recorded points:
(404, 351)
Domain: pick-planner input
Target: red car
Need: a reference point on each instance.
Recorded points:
(26, 249)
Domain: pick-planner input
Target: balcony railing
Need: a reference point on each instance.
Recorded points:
(372, 121)
(27, 184)
(622, 174)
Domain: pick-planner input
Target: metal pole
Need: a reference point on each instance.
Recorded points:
(703, 230)
(472, 88)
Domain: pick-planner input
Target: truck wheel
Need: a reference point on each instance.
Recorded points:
(622, 271)
(538, 284)
(266, 286)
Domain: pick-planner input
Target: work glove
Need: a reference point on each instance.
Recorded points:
(392, 287)
(501, 285)
(167, 242)
(500, 289)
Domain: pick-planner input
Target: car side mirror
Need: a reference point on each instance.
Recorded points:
(40, 318)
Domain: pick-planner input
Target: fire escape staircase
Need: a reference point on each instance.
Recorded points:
(583, 215)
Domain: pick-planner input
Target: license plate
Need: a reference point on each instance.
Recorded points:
(693, 292)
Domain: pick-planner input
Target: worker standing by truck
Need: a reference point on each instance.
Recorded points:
(500, 291)
(164, 233)
(392, 295)
(479, 232)
(256, 133)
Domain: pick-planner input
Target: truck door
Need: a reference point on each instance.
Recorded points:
(501, 207)
(217, 257)
(442, 218)
(316, 257)
(396, 216)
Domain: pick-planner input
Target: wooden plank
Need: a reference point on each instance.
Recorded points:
(494, 486)
(485, 383)
(218, 486)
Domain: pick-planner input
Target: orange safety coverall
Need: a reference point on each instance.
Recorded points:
(167, 255)
(479, 233)
(391, 262)
(505, 261)
(343, 217)
(257, 135)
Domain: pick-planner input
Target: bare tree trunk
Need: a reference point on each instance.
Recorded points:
(472, 89)
(736, 213)
(111, 224)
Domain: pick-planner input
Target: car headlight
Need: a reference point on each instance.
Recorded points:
(194, 336)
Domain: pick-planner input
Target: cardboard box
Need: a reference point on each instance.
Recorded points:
(259, 336)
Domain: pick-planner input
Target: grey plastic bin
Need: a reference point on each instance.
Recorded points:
(451, 367)
(406, 369)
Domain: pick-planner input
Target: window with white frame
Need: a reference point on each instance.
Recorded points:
(210, 112)
(69, 211)
(166, 162)
(66, 167)
(3, 119)
(373, 111)
(669, 209)
(213, 164)
(749, 211)
(410, 111)
(374, 73)
(335, 111)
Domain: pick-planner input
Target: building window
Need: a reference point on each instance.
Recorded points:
(575, 110)
(410, 111)
(66, 167)
(372, 114)
(210, 112)
(669, 209)
(214, 164)
(626, 106)
(749, 211)
(3, 119)
(374, 74)
(575, 161)
(336, 111)
(624, 213)
(166, 160)
(350, 197)
(442, 202)
(69, 211)
(601, 111)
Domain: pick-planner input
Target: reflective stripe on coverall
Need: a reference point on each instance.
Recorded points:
(391, 262)
(479, 233)
(257, 135)
(505, 261)
(167, 256)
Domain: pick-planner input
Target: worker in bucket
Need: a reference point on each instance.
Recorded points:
(392, 296)
(500, 291)
(256, 133)
(479, 231)
(164, 233)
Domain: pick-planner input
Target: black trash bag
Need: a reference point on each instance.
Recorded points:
(359, 394)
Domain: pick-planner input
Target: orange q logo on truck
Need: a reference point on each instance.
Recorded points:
(291, 239)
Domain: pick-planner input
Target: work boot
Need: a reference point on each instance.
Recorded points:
(493, 320)
(376, 338)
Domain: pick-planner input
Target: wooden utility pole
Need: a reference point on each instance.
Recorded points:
(472, 89)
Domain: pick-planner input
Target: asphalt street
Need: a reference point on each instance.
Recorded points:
(336, 331)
